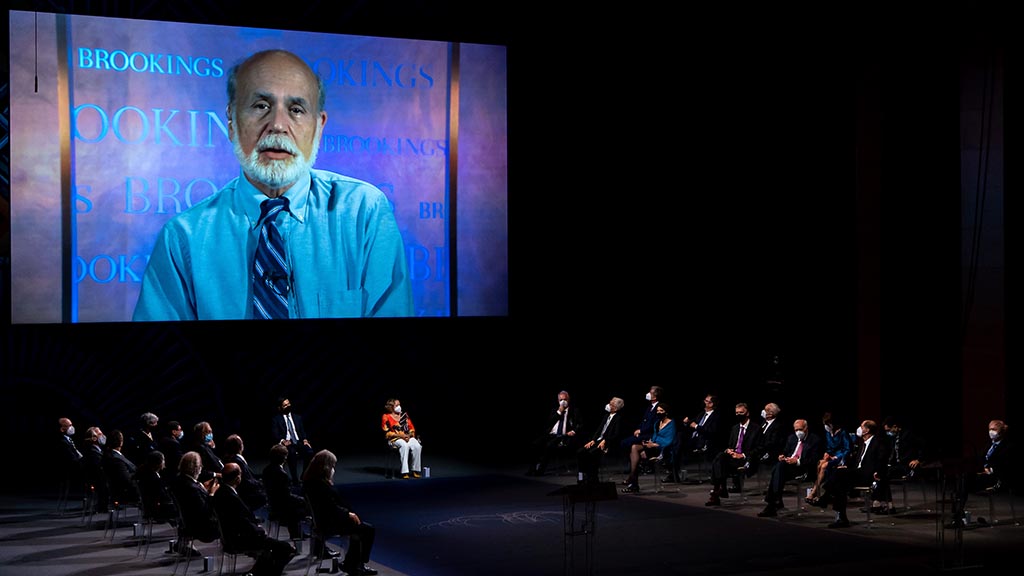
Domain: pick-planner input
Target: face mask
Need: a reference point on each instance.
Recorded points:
(741, 418)
(828, 428)
(890, 433)
(993, 434)
(398, 409)
(608, 408)
(764, 414)
(102, 440)
(800, 434)
(648, 396)
(180, 435)
(286, 409)
(860, 431)
(563, 403)
(71, 431)
(662, 415)
(208, 437)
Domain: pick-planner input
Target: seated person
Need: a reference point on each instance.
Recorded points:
(251, 488)
(194, 499)
(400, 433)
(334, 516)
(607, 436)
(906, 455)
(154, 489)
(287, 429)
(118, 471)
(800, 455)
(743, 437)
(838, 444)
(558, 435)
(284, 506)
(242, 532)
(865, 466)
(663, 439)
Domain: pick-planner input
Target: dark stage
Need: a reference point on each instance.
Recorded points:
(471, 520)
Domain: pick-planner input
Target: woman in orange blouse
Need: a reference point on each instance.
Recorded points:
(400, 433)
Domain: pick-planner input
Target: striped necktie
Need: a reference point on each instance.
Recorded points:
(270, 269)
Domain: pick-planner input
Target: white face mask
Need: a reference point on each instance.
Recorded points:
(800, 434)
(648, 397)
(398, 409)
(608, 408)
(764, 414)
(828, 428)
(102, 440)
(993, 434)
(563, 403)
(860, 431)
(71, 431)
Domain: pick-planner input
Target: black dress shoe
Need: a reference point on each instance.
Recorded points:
(840, 523)
(328, 554)
(369, 571)
(713, 501)
(631, 489)
(768, 512)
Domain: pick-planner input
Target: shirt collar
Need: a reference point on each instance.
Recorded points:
(251, 197)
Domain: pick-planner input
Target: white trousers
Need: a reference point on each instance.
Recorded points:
(407, 448)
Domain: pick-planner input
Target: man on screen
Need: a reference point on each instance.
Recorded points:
(283, 240)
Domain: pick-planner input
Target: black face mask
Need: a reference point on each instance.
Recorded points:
(741, 418)
(286, 409)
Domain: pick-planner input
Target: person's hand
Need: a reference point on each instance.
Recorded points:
(603, 447)
(588, 445)
(354, 517)
(306, 442)
(914, 464)
(570, 433)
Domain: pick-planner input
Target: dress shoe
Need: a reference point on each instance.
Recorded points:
(626, 482)
(840, 523)
(713, 501)
(414, 475)
(328, 554)
(768, 512)
(631, 489)
(368, 571)
(405, 476)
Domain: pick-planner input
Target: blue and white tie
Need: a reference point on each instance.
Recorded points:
(270, 268)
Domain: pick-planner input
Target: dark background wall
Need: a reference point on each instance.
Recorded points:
(686, 205)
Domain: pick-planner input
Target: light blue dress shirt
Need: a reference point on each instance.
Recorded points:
(344, 251)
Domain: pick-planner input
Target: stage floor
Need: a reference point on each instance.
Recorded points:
(468, 519)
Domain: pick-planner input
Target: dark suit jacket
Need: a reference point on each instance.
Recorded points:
(278, 428)
(772, 441)
(1004, 466)
(751, 439)
(284, 504)
(155, 496)
(92, 471)
(172, 450)
(614, 432)
(330, 509)
(70, 455)
(709, 436)
(574, 423)
(875, 460)
(119, 472)
(196, 508)
(251, 489)
(810, 454)
(241, 529)
(211, 461)
(648, 422)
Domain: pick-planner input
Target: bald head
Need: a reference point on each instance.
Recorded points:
(231, 474)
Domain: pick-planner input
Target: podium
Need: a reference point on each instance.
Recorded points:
(588, 494)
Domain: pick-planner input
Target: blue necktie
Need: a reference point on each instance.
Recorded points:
(270, 269)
